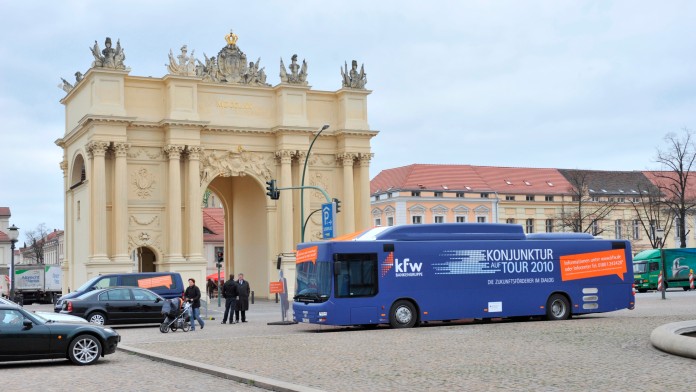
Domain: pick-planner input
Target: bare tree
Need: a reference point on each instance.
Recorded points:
(37, 240)
(677, 159)
(586, 211)
(652, 214)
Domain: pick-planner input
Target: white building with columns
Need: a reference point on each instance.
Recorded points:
(139, 153)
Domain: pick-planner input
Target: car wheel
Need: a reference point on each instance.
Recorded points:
(402, 314)
(557, 307)
(84, 350)
(97, 318)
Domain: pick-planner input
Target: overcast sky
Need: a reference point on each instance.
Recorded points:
(565, 84)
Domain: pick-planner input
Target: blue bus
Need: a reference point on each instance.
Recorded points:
(407, 275)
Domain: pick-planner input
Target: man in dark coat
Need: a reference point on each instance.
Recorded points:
(243, 291)
(229, 291)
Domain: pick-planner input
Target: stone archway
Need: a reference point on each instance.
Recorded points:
(246, 230)
(145, 259)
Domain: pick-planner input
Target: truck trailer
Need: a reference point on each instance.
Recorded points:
(675, 264)
(38, 282)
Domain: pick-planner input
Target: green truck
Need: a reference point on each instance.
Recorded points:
(678, 264)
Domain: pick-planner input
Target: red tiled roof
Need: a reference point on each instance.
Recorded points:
(657, 178)
(523, 180)
(214, 221)
(431, 177)
(4, 237)
(477, 178)
(5, 211)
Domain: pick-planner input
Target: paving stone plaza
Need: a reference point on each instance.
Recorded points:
(602, 352)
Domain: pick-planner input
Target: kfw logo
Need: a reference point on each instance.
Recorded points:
(404, 268)
(407, 266)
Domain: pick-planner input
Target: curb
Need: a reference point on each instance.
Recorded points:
(669, 339)
(229, 374)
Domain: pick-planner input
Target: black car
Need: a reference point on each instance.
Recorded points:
(117, 305)
(26, 336)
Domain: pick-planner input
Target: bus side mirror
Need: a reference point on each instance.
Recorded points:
(337, 268)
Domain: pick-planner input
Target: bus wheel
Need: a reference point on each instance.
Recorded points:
(402, 315)
(557, 308)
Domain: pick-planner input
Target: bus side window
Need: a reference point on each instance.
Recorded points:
(654, 267)
(357, 276)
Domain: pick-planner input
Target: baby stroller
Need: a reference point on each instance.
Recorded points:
(175, 317)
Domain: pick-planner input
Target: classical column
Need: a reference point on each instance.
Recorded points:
(307, 199)
(67, 223)
(286, 222)
(98, 152)
(348, 205)
(363, 203)
(120, 203)
(193, 204)
(174, 201)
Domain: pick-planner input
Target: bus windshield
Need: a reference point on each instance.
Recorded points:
(313, 282)
(639, 268)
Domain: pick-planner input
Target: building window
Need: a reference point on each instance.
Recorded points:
(437, 194)
(484, 195)
(378, 221)
(636, 229)
(415, 194)
(617, 228)
(460, 194)
(509, 198)
(549, 225)
(594, 198)
(481, 219)
(439, 219)
(595, 228)
(677, 227)
(460, 218)
(390, 221)
(529, 198)
(548, 198)
(390, 195)
(529, 226)
(510, 221)
(621, 199)
(417, 219)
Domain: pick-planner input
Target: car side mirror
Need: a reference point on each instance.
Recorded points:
(158, 299)
(27, 324)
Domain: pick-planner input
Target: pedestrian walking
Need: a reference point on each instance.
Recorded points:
(243, 291)
(210, 286)
(193, 295)
(229, 291)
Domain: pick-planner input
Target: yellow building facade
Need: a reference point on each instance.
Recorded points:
(139, 153)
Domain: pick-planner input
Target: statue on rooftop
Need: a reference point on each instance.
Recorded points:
(109, 57)
(353, 78)
(182, 65)
(297, 75)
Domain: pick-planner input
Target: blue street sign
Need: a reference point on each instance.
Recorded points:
(327, 220)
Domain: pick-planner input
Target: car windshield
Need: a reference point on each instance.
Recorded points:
(40, 317)
(639, 268)
(88, 284)
(313, 281)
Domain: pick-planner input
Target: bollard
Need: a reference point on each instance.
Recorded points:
(252, 296)
(661, 285)
(691, 279)
(276, 297)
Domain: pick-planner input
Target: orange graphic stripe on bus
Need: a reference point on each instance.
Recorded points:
(594, 264)
(158, 281)
(307, 254)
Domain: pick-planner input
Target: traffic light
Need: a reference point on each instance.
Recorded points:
(338, 205)
(220, 258)
(272, 191)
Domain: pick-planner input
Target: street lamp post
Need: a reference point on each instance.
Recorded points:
(14, 234)
(304, 170)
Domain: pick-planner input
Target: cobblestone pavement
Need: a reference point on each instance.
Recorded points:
(119, 372)
(603, 352)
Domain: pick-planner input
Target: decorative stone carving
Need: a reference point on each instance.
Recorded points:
(231, 67)
(97, 148)
(66, 86)
(320, 180)
(174, 151)
(285, 156)
(150, 153)
(353, 78)
(145, 222)
(228, 164)
(143, 182)
(297, 75)
(121, 149)
(109, 57)
(182, 65)
(194, 152)
(346, 158)
(144, 238)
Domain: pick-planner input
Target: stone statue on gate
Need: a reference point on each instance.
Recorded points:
(353, 78)
(183, 65)
(297, 75)
(231, 66)
(109, 57)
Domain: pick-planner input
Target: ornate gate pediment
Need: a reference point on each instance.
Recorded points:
(216, 163)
